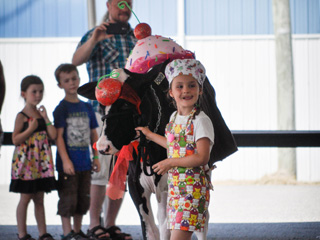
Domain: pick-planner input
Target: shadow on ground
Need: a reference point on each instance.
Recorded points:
(221, 231)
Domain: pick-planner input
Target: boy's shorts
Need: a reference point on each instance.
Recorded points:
(74, 193)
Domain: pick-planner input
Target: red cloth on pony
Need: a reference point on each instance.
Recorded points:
(130, 95)
(117, 182)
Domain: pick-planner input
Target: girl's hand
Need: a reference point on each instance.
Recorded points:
(145, 130)
(33, 124)
(162, 167)
(158, 139)
(43, 112)
(68, 167)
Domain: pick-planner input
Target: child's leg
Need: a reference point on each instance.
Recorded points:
(22, 213)
(39, 212)
(179, 234)
(83, 198)
(97, 196)
(77, 222)
(66, 225)
(67, 203)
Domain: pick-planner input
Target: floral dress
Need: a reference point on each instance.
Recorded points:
(188, 188)
(32, 163)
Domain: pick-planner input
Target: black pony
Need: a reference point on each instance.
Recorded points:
(144, 102)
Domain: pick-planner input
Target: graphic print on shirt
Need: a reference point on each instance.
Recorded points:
(77, 130)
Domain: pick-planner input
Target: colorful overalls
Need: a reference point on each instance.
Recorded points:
(188, 188)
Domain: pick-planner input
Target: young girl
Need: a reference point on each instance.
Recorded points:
(32, 165)
(189, 139)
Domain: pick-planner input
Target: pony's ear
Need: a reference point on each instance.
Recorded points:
(88, 90)
(156, 73)
(132, 74)
(137, 80)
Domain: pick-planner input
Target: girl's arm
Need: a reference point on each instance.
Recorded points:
(195, 160)
(158, 139)
(52, 132)
(68, 167)
(96, 162)
(19, 137)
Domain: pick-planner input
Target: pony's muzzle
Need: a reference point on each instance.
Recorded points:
(106, 147)
(106, 151)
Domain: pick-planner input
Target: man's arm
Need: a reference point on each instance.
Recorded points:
(82, 54)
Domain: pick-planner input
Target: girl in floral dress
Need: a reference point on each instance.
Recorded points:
(189, 140)
(32, 165)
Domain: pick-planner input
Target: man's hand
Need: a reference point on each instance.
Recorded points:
(99, 33)
(96, 165)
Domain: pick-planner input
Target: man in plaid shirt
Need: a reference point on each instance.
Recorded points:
(103, 53)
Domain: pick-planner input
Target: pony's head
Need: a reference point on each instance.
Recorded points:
(142, 102)
(140, 98)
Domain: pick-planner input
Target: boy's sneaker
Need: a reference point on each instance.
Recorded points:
(80, 236)
(68, 236)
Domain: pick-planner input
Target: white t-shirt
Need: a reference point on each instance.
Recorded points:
(202, 126)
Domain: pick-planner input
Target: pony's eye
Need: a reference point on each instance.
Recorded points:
(125, 106)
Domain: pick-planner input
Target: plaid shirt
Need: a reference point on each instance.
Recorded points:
(107, 55)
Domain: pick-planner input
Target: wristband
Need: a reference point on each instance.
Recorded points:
(95, 157)
(48, 124)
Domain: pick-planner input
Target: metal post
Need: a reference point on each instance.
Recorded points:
(91, 13)
(181, 22)
(285, 82)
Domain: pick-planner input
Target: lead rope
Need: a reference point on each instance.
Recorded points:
(143, 154)
(159, 108)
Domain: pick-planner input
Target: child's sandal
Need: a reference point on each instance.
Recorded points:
(46, 236)
(97, 233)
(26, 237)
